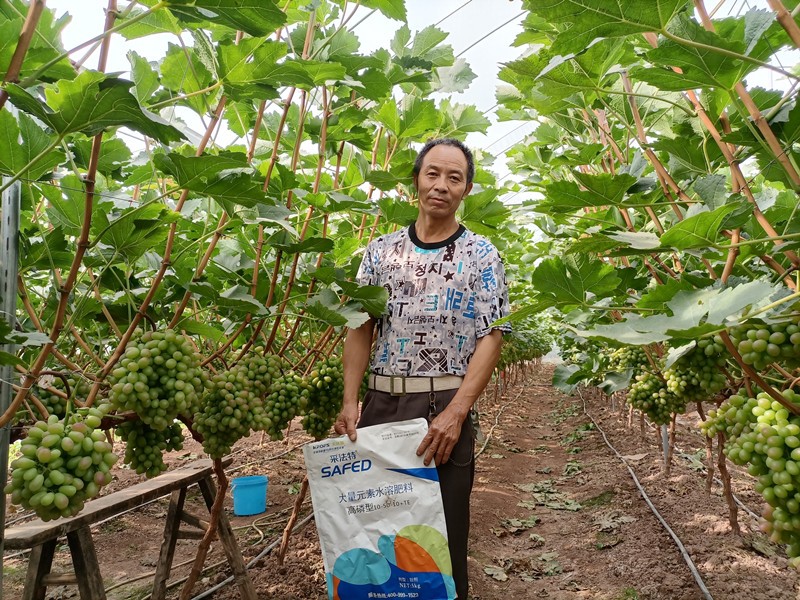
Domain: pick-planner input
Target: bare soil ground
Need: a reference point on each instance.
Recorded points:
(555, 514)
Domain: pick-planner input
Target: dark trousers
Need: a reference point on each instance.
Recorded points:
(456, 476)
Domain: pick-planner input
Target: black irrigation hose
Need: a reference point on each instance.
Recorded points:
(687, 559)
(736, 499)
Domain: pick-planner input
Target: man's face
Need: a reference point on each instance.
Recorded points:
(442, 182)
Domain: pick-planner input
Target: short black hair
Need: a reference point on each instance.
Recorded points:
(446, 142)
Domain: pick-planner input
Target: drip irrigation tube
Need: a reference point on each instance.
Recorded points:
(687, 559)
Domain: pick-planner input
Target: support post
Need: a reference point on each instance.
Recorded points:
(9, 242)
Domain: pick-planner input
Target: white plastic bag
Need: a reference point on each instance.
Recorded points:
(379, 514)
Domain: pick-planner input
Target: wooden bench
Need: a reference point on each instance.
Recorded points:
(42, 536)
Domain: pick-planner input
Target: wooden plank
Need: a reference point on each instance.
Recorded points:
(194, 520)
(39, 565)
(59, 579)
(191, 534)
(38, 531)
(167, 554)
(84, 561)
(228, 539)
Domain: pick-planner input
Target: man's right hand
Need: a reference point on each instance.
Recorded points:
(346, 421)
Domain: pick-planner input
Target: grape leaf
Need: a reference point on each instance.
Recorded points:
(239, 299)
(225, 177)
(16, 153)
(398, 211)
(417, 117)
(394, 9)
(134, 231)
(701, 230)
(145, 79)
(326, 306)
(590, 19)
(66, 204)
(256, 17)
(373, 298)
(184, 73)
(376, 85)
(640, 240)
(694, 313)
(91, 103)
(567, 377)
(569, 280)
(460, 119)
(40, 51)
(157, 21)
(594, 190)
(454, 79)
(312, 244)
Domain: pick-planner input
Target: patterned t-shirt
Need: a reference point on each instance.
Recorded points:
(443, 297)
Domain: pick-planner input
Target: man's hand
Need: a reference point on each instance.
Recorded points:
(346, 421)
(443, 433)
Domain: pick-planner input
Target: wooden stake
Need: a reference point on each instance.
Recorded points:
(287, 532)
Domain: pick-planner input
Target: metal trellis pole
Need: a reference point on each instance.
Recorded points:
(9, 240)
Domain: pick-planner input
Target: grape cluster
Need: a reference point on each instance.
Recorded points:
(649, 393)
(145, 446)
(763, 433)
(730, 418)
(235, 402)
(696, 376)
(629, 357)
(52, 402)
(64, 462)
(289, 396)
(760, 344)
(56, 405)
(158, 377)
(326, 383)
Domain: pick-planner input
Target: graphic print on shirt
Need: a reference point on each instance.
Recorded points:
(441, 300)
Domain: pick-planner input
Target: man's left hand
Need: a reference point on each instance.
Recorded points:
(443, 433)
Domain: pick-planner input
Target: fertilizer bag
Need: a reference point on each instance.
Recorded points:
(379, 514)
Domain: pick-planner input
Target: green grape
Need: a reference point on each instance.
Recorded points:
(158, 377)
(629, 357)
(762, 344)
(650, 394)
(145, 446)
(235, 404)
(63, 463)
(326, 383)
(696, 376)
(763, 434)
(289, 394)
(53, 403)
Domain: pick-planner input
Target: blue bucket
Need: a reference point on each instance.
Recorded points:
(249, 495)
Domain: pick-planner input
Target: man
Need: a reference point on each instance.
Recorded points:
(435, 349)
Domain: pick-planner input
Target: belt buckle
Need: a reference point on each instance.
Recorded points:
(393, 390)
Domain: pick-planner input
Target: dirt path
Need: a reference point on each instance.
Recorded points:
(555, 515)
(594, 536)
